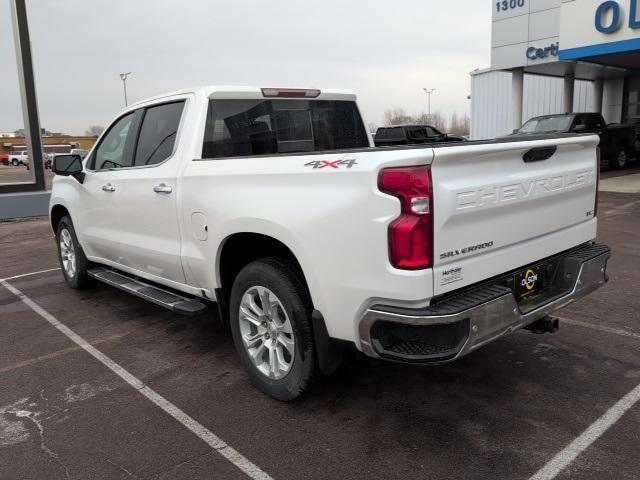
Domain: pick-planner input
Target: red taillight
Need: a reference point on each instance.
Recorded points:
(595, 207)
(411, 234)
(290, 92)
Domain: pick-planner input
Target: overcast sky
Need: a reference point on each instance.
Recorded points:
(386, 51)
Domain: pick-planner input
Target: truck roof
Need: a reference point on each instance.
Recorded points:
(407, 125)
(572, 114)
(250, 93)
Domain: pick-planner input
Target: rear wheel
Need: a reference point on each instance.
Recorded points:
(73, 262)
(15, 162)
(621, 159)
(271, 327)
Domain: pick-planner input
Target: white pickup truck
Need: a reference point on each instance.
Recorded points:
(19, 157)
(273, 204)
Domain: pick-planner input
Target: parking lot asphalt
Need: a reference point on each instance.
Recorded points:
(504, 411)
(19, 174)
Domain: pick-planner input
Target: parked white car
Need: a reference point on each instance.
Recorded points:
(19, 157)
(274, 204)
(80, 151)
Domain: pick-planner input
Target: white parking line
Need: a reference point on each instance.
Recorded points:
(29, 274)
(215, 442)
(590, 435)
(602, 328)
(597, 428)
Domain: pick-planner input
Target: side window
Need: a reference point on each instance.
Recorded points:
(593, 122)
(418, 134)
(578, 120)
(111, 152)
(432, 132)
(158, 133)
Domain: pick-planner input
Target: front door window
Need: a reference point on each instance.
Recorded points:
(112, 151)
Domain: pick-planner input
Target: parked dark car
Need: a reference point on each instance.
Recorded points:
(617, 142)
(411, 135)
(635, 121)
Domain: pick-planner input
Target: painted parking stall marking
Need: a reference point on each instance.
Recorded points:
(30, 274)
(558, 463)
(211, 439)
(601, 328)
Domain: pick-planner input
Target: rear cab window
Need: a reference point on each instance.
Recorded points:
(391, 133)
(237, 128)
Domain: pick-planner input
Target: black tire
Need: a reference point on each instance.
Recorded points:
(620, 159)
(15, 162)
(79, 278)
(274, 274)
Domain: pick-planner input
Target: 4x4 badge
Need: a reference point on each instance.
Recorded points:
(335, 164)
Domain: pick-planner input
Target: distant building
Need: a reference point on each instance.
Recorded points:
(556, 56)
(8, 144)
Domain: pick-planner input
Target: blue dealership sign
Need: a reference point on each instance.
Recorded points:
(616, 26)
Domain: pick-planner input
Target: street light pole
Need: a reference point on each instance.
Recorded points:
(123, 77)
(429, 92)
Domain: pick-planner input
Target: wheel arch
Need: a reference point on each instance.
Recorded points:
(57, 212)
(238, 250)
(241, 248)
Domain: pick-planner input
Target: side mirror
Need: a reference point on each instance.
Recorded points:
(515, 130)
(68, 165)
(579, 128)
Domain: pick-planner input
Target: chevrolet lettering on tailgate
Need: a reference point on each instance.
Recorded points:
(495, 194)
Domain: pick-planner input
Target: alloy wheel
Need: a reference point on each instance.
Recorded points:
(267, 334)
(621, 158)
(67, 253)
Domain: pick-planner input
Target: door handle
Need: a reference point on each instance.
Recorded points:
(108, 188)
(162, 188)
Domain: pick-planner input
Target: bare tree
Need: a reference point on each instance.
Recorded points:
(466, 125)
(372, 126)
(397, 116)
(439, 121)
(95, 131)
(454, 124)
(422, 119)
(459, 124)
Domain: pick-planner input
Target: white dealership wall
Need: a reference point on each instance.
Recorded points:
(491, 106)
(550, 40)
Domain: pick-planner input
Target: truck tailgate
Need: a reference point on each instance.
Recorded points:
(501, 206)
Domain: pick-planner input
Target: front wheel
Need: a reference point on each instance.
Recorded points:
(15, 162)
(271, 328)
(73, 262)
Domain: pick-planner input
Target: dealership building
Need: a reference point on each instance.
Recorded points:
(556, 56)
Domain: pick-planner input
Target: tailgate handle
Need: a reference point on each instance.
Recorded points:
(538, 154)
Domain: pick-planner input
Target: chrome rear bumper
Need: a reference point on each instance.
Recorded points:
(464, 322)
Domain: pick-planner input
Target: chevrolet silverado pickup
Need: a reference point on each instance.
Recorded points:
(617, 142)
(273, 206)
